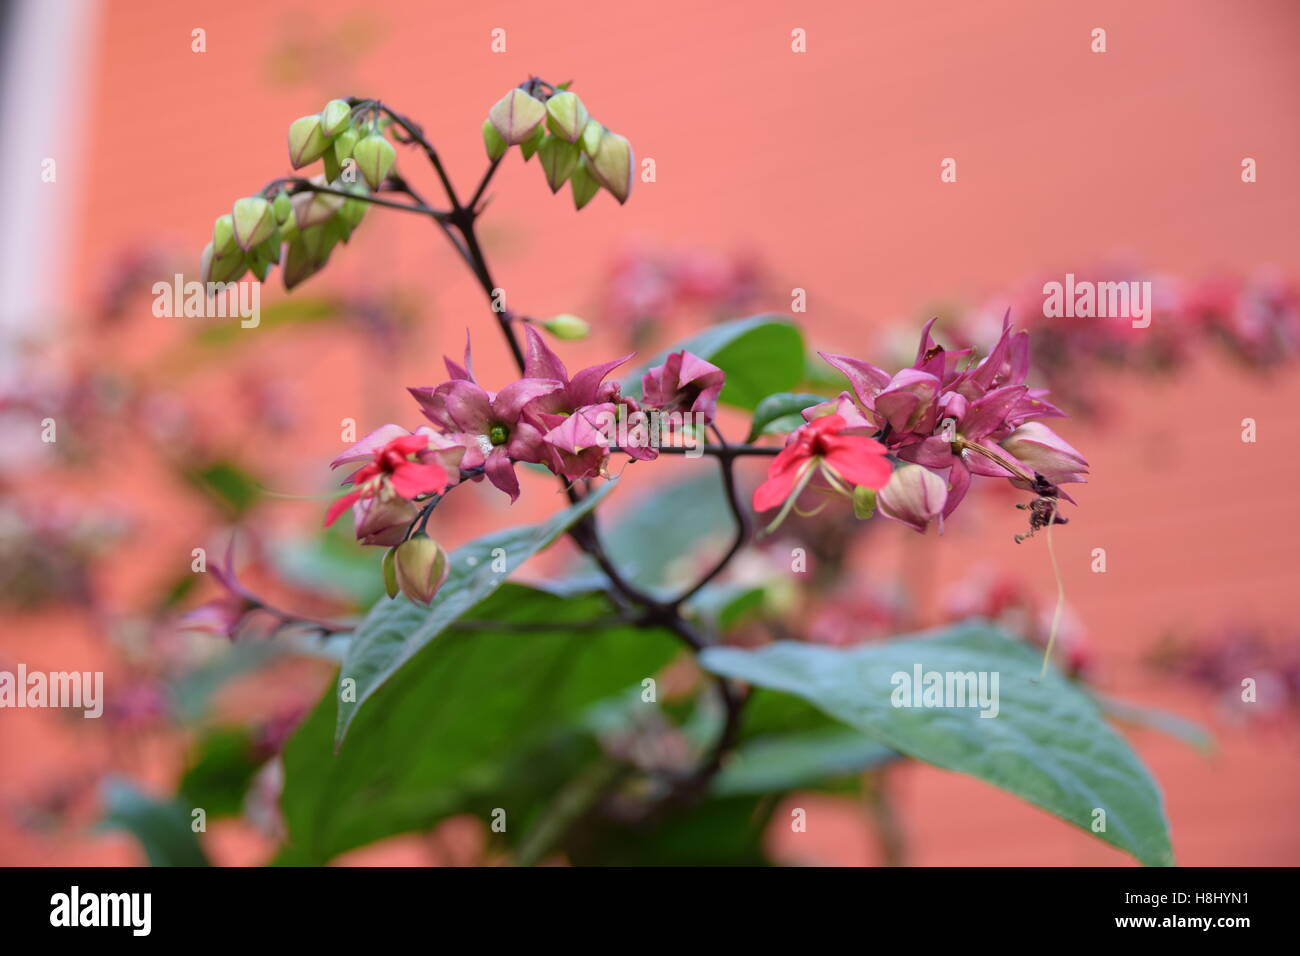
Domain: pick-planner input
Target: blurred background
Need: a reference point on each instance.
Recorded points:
(775, 171)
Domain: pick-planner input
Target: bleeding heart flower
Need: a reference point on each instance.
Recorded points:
(403, 464)
(684, 383)
(822, 450)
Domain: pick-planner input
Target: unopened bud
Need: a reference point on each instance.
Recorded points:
(421, 567)
(344, 143)
(566, 116)
(283, 207)
(913, 495)
(253, 221)
(493, 141)
(313, 209)
(558, 158)
(533, 143)
(591, 134)
(223, 235)
(612, 165)
(334, 118)
(864, 502)
(375, 156)
(227, 268)
(307, 143)
(516, 116)
(584, 185)
(567, 327)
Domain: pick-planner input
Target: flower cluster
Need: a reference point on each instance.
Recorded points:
(546, 417)
(943, 420)
(552, 123)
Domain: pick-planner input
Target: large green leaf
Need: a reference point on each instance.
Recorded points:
(645, 547)
(761, 355)
(396, 630)
(447, 733)
(780, 413)
(807, 759)
(1048, 743)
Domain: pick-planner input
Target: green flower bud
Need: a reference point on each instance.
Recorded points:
(307, 143)
(261, 267)
(421, 568)
(313, 209)
(227, 268)
(270, 249)
(566, 116)
(612, 165)
(533, 143)
(591, 134)
(344, 143)
(583, 183)
(375, 156)
(223, 235)
(568, 328)
(517, 115)
(300, 264)
(354, 210)
(289, 228)
(253, 221)
(493, 141)
(558, 158)
(335, 117)
(864, 501)
(205, 263)
(282, 206)
(389, 568)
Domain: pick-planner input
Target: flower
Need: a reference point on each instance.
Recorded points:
(959, 419)
(821, 449)
(403, 464)
(224, 615)
(684, 383)
(488, 425)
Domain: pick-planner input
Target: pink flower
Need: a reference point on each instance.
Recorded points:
(914, 496)
(821, 450)
(684, 383)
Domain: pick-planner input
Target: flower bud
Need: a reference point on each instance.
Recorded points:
(913, 495)
(307, 143)
(223, 235)
(421, 567)
(566, 116)
(612, 165)
(533, 143)
(1036, 445)
(583, 183)
(567, 328)
(389, 568)
(864, 502)
(493, 141)
(383, 518)
(335, 117)
(303, 259)
(591, 134)
(282, 206)
(253, 221)
(375, 156)
(354, 210)
(558, 159)
(313, 209)
(227, 268)
(517, 115)
(344, 144)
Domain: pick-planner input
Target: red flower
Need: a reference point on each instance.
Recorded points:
(396, 467)
(818, 449)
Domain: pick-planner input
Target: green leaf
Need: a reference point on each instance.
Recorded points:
(761, 355)
(222, 769)
(782, 762)
(163, 828)
(645, 547)
(447, 733)
(1047, 744)
(1127, 712)
(718, 832)
(228, 484)
(396, 630)
(780, 413)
